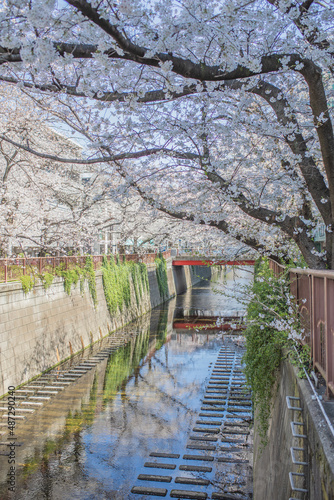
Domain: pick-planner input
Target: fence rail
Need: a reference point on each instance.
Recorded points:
(314, 293)
(13, 269)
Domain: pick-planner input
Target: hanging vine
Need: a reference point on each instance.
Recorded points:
(117, 278)
(72, 276)
(90, 276)
(273, 326)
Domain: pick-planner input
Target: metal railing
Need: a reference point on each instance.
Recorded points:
(13, 269)
(314, 293)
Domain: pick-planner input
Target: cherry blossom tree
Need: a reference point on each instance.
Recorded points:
(216, 112)
(44, 206)
(135, 227)
(50, 207)
(141, 228)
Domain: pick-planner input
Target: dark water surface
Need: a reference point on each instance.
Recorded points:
(91, 440)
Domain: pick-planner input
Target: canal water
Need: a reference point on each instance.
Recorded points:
(135, 406)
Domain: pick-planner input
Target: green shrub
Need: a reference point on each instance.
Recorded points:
(60, 268)
(27, 283)
(47, 280)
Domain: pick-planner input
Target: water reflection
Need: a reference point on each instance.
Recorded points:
(92, 439)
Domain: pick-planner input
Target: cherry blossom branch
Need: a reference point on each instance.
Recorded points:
(102, 159)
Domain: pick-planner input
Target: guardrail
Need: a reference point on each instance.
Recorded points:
(13, 269)
(314, 293)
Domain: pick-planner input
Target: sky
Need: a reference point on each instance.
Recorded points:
(61, 4)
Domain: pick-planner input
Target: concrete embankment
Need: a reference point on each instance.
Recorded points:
(43, 327)
(314, 452)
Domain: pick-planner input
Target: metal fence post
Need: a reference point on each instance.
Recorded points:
(312, 322)
(327, 330)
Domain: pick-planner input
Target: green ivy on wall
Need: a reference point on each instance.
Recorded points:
(47, 280)
(90, 276)
(161, 271)
(117, 278)
(144, 277)
(272, 329)
(72, 276)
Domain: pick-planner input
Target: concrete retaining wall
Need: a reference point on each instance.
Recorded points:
(43, 327)
(272, 466)
(186, 276)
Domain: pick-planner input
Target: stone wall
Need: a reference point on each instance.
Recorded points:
(43, 327)
(155, 298)
(273, 464)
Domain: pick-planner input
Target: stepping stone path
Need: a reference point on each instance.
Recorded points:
(216, 463)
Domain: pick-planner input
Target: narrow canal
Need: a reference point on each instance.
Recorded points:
(146, 415)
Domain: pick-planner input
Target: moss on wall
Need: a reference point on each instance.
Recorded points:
(161, 270)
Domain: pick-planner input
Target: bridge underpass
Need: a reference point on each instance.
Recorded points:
(202, 319)
(209, 261)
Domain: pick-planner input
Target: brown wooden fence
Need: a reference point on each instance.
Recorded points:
(13, 269)
(314, 293)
